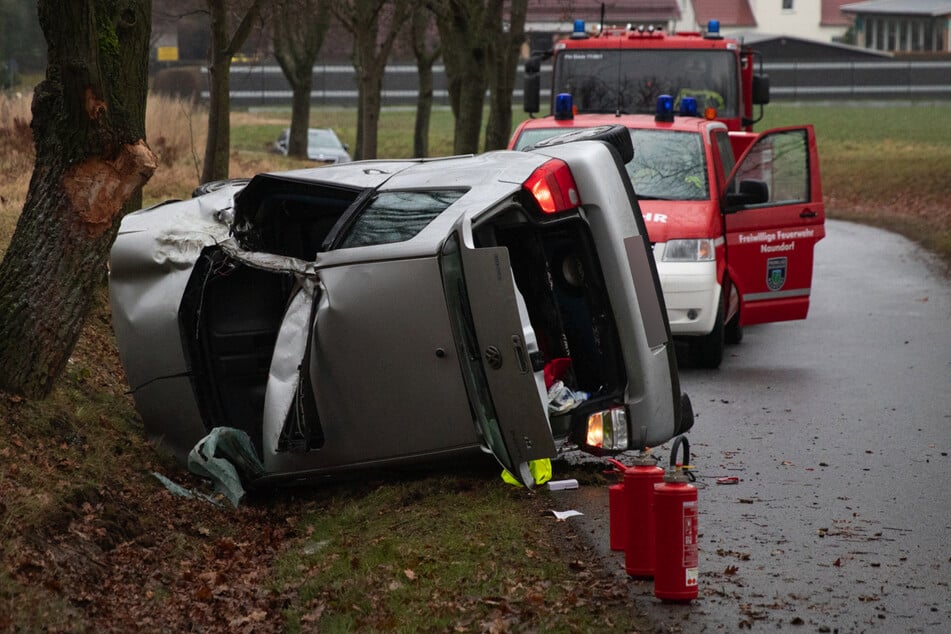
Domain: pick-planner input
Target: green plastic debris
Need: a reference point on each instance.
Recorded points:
(182, 492)
(227, 458)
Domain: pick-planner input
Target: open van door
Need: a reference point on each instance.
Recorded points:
(494, 342)
(774, 216)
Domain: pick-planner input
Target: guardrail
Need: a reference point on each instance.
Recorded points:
(335, 84)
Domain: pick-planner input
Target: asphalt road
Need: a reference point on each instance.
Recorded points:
(839, 429)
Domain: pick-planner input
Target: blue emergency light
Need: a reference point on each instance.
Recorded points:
(688, 107)
(665, 109)
(713, 29)
(564, 107)
(578, 32)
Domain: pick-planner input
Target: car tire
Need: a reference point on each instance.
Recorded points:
(708, 349)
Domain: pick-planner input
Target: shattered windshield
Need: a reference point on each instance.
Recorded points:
(630, 80)
(668, 165)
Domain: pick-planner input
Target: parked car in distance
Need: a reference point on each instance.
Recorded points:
(399, 311)
(733, 217)
(322, 145)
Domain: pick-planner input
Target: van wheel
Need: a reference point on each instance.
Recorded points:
(708, 350)
(734, 331)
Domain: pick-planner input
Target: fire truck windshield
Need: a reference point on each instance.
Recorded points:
(630, 80)
(668, 165)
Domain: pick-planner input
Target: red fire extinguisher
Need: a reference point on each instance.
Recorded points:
(639, 481)
(676, 571)
(617, 512)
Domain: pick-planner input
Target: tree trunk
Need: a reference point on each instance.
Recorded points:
(299, 27)
(464, 28)
(218, 141)
(370, 100)
(223, 48)
(371, 48)
(505, 54)
(420, 32)
(91, 162)
(424, 109)
(300, 117)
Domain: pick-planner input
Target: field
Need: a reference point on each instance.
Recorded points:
(89, 541)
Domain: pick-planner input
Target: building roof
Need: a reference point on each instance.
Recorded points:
(615, 12)
(732, 13)
(781, 48)
(832, 14)
(930, 8)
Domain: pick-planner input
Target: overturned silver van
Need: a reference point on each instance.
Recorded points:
(384, 312)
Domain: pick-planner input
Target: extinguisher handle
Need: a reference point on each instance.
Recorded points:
(678, 441)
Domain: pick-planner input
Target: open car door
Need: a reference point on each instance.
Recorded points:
(494, 342)
(774, 216)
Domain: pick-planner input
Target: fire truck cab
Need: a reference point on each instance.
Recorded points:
(625, 70)
(732, 216)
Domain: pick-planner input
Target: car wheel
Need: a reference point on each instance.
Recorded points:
(708, 350)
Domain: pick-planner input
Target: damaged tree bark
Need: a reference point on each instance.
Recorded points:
(91, 162)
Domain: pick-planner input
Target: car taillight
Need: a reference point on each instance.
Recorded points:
(607, 430)
(553, 187)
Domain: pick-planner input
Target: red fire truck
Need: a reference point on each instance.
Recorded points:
(624, 71)
(732, 216)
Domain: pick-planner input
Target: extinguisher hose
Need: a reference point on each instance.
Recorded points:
(678, 441)
(620, 466)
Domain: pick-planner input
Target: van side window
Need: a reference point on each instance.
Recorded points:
(397, 216)
(721, 141)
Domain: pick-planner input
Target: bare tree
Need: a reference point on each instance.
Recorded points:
(471, 32)
(374, 25)
(91, 162)
(299, 27)
(504, 52)
(224, 45)
(424, 41)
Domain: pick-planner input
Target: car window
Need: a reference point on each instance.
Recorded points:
(397, 216)
(323, 138)
(781, 160)
(725, 149)
(668, 165)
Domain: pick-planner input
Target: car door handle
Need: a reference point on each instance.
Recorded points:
(521, 356)
(808, 213)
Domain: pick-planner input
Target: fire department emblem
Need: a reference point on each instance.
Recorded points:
(775, 273)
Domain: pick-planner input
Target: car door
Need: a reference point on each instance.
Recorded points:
(494, 345)
(774, 216)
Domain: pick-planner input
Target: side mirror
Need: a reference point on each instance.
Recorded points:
(751, 192)
(760, 90)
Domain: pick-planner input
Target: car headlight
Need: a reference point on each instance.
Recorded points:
(607, 430)
(697, 250)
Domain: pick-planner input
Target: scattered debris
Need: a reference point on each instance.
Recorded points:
(561, 516)
(561, 485)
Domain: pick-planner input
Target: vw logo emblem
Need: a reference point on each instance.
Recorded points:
(493, 356)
